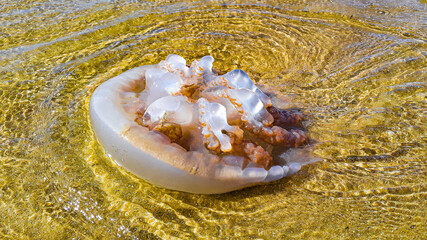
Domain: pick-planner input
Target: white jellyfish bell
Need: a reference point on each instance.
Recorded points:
(167, 123)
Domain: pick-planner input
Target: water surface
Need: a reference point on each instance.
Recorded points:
(356, 69)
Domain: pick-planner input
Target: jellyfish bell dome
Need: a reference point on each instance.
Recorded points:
(170, 124)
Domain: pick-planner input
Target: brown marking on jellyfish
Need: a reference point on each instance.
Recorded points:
(257, 154)
(218, 81)
(191, 91)
(168, 67)
(140, 116)
(236, 103)
(196, 73)
(279, 136)
(172, 130)
(286, 118)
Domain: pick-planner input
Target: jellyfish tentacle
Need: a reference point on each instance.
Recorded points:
(247, 104)
(175, 64)
(171, 109)
(196, 71)
(238, 79)
(213, 119)
(200, 70)
(280, 136)
(160, 83)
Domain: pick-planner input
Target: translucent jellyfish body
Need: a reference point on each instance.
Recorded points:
(185, 128)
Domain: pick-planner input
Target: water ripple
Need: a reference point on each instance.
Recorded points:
(355, 69)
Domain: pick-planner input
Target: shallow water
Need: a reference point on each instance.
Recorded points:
(356, 69)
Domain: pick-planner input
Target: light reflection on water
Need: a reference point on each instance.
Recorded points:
(356, 69)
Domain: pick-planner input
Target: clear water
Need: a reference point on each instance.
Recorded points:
(357, 69)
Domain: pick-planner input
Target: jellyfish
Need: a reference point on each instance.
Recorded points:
(185, 128)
